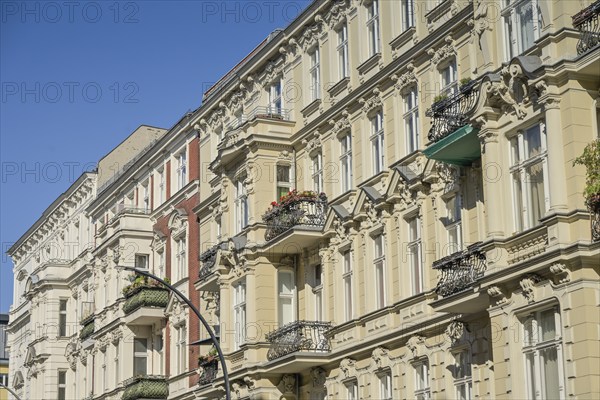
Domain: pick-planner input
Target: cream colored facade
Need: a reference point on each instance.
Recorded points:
(452, 257)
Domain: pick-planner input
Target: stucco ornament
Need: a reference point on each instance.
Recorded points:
(443, 53)
(288, 382)
(378, 355)
(498, 294)
(414, 343)
(341, 124)
(406, 79)
(347, 366)
(372, 103)
(562, 273)
(318, 376)
(527, 284)
(455, 331)
(337, 13)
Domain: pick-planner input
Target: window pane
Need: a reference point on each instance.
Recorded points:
(551, 380)
(63, 305)
(530, 359)
(140, 345)
(286, 284)
(535, 176)
(547, 325)
(283, 173)
(534, 141)
(139, 366)
(525, 16)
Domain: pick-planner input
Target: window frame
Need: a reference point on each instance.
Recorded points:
(61, 386)
(373, 29)
(421, 368)
(408, 14)
(181, 169)
(285, 184)
(347, 272)
(239, 312)
(411, 119)
(241, 204)
(351, 389)
(342, 50)
(377, 140)
(466, 380)
(276, 97)
(316, 162)
(449, 81)
(282, 296)
(454, 223)
(414, 246)
(139, 355)
(318, 292)
(62, 317)
(385, 385)
(379, 263)
(513, 29)
(314, 72)
(347, 180)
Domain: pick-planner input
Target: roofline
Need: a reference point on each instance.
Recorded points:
(127, 137)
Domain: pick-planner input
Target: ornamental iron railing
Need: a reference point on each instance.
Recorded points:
(145, 297)
(209, 368)
(231, 134)
(453, 112)
(129, 210)
(88, 309)
(146, 387)
(460, 270)
(587, 22)
(595, 213)
(299, 212)
(304, 336)
(208, 260)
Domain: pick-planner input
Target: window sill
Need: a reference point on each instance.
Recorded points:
(339, 87)
(311, 108)
(369, 64)
(403, 38)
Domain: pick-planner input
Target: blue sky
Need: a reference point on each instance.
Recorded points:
(78, 77)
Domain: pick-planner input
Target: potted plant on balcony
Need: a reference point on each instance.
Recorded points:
(439, 100)
(466, 85)
(590, 158)
(140, 281)
(208, 357)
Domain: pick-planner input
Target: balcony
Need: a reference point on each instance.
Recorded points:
(144, 304)
(87, 319)
(210, 369)
(87, 331)
(587, 22)
(146, 387)
(299, 336)
(459, 271)
(208, 260)
(305, 210)
(595, 213)
(451, 138)
(265, 113)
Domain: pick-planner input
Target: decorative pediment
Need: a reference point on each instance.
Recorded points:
(337, 13)
(348, 367)
(455, 332)
(443, 53)
(341, 124)
(406, 79)
(415, 344)
(178, 222)
(272, 71)
(380, 357)
(366, 208)
(30, 356)
(371, 103)
(18, 380)
(309, 36)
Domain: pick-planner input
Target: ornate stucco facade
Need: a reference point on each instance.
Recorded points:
(378, 202)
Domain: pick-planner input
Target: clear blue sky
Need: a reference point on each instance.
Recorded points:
(78, 77)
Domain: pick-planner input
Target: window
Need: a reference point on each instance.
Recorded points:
(351, 390)
(317, 172)
(408, 14)
(318, 291)
(275, 98)
(462, 375)
(377, 138)
(414, 253)
(449, 79)
(347, 278)
(283, 180)
(181, 170)
(180, 257)
(145, 198)
(454, 225)
(385, 386)
(379, 262)
(161, 186)
(422, 380)
(239, 313)
(373, 27)
(62, 384)
(104, 380)
(287, 292)
(521, 25)
(543, 354)
(159, 350)
(411, 120)
(315, 75)
(141, 261)
(346, 161)
(342, 51)
(182, 349)
(241, 204)
(116, 360)
(161, 263)
(62, 318)
(140, 356)
(529, 174)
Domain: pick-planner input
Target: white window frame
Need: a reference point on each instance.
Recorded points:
(239, 313)
(161, 185)
(422, 379)
(454, 223)
(181, 349)
(463, 379)
(414, 247)
(411, 119)
(116, 361)
(180, 254)
(60, 385)
(315, 73)
(145, 197)
(385, 385)
(377, 142)
(347, 282)
(104, 371)
(513, 31)
(380, 270)
(373, 28)
(286, 296)
(342, 51)
(140, 355)
(316, 161)
(449, 78)
(346, 162)
(520, 163)
(181, 169)
(62, 317)
(408, 14)
(286, 183)
(241, 204)
(351, 390)
(276, 97)
(318, 292)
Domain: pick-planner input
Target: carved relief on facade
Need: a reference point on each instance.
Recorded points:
(443, 53)
(527, 284)
(348, 367)
(415, 344)
(341, 124)
(561, 273)
(371, 103)
(406, 79)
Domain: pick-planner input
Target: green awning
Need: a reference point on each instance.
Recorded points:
(461, 147)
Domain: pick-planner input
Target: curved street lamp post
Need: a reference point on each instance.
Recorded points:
(10, 391)
(213, 338)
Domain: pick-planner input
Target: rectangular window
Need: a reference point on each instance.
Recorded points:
(62, 318)
(241, 204)
(522, 24)
(422, 391)
(104, 371)
(543, 354)
(373, 27)
(161, 263)
(454, 225)
(140, 356)
(462, 375)
(317, 172)
(62, 384)
(275, 98)
(161, 186)
(181, 170)
(408, 14)
(159, 350)
(411, 120)
(315, 74)
(379, 262)
(145, 198)
(181, 257)
(283, 180)
(346, 161)
(347, 278)
(351, 390)
(377, 138)
(385, 385)
(342, 51)
(529, 174)
(449, 79)
(182, 349)
(414, 253)
(239, 313)
(141, 261)
(287, 293)
(116, 360)
(318, 292)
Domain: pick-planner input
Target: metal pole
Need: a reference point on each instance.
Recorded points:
(10, 391)
(208, 328)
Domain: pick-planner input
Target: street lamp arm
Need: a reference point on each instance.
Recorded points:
(187, 301)
(10, 391)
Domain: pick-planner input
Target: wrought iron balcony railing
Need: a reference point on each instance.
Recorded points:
(460, 270)
(208, 260)
(306, 211)
(87, 312)
(145, 296)
(304, 336)
(209, 368)
(595, 223)
(452, 113)
(146, 387)
(274, 113)
(587, 22)
(128, 210)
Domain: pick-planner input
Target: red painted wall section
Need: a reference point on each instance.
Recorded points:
(194, 157)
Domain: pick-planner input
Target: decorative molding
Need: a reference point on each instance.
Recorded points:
(561, 273)
(527, 284)
(318, 377)
(455, 331)
(337, 13)
(405, 80)
(414, 344)
(378, 356)
(341, 124)
(443, 53)
(348, 367)
(498, 294)
(373, 102)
